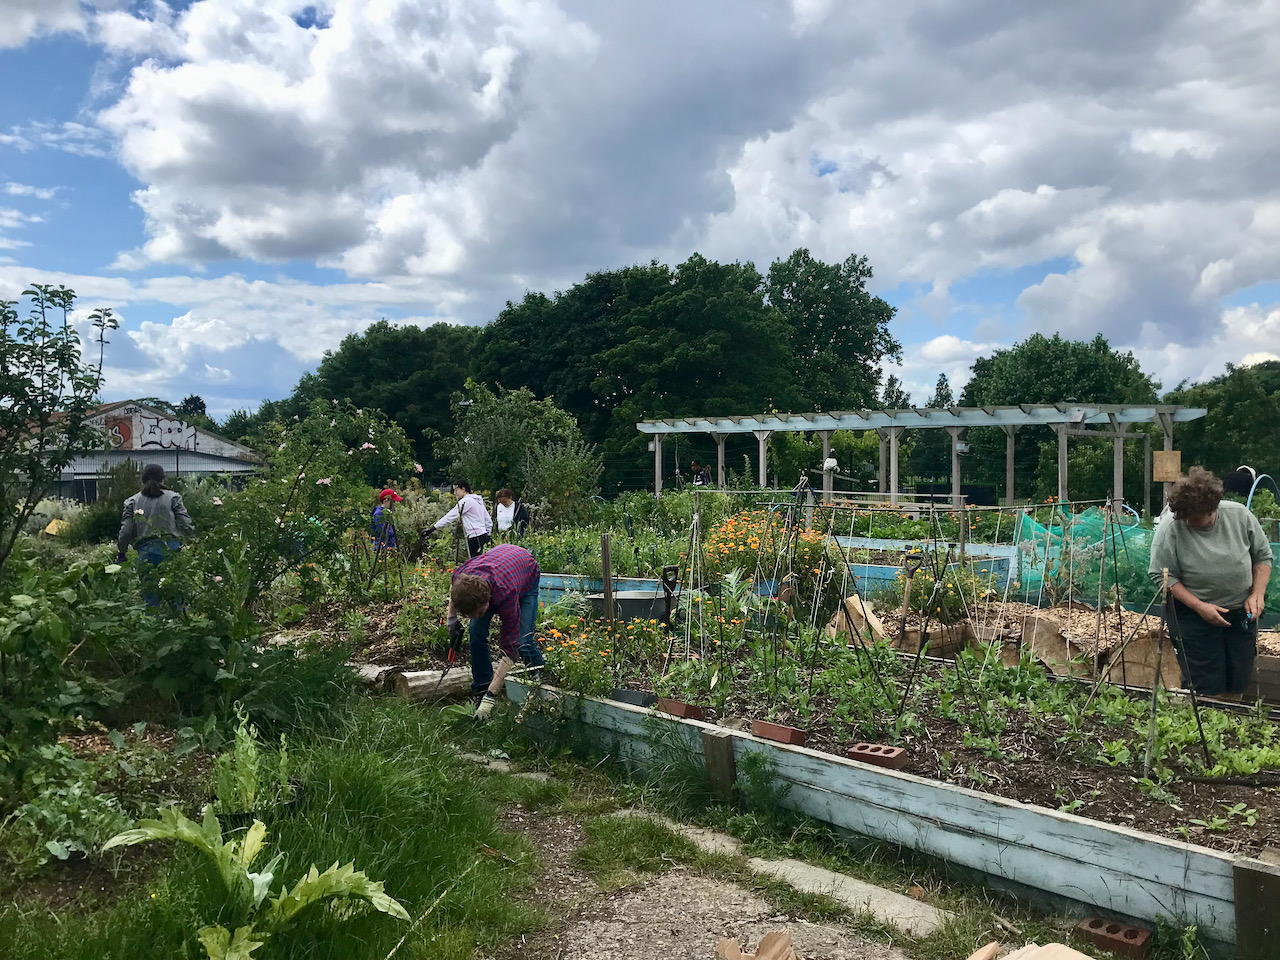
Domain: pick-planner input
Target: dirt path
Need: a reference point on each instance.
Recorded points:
(678, 915)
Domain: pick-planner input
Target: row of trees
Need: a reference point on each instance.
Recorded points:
(621, 346)
(705, 338)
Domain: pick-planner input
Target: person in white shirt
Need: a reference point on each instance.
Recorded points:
(476, 522)
(511, 514)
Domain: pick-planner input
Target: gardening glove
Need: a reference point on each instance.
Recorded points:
(485, 707)
(455, 635)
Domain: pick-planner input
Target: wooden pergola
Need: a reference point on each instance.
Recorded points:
(1065, 419)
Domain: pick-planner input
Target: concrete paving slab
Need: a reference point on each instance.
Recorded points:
(910, 916)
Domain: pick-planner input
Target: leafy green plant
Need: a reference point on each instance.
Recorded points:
(252, 918)
(66, 814)
(246, 780)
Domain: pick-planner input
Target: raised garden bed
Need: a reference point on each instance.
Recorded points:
(1119, 871)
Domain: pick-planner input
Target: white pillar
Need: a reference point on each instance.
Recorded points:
(895, 434)
(762, 438)
(828, 476)
(957, 499)
(720, 438)
(1061, 430)
(1010, 431)
(1117, 478)
(883, 475)
(1166, 425)
(657, 464)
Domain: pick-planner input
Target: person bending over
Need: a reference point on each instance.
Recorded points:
(503, 581)
(1219, 562)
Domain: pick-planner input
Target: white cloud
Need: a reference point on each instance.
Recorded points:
(26, 190)
(346, 144)
(25, 19)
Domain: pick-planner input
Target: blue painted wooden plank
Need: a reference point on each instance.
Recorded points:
(1114, 868)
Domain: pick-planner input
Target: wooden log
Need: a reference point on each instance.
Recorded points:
(417, 685)
(369, 674)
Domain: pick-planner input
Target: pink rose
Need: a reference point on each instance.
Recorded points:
(324, 481)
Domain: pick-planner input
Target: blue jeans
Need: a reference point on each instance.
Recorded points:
(530, 652)
(151, 553)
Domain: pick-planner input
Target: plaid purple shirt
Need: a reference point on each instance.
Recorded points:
(511, 572)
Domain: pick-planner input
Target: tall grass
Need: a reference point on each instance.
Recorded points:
(380, 790)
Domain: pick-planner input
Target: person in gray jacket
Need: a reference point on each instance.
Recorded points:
(153, 521)
(1219, 563)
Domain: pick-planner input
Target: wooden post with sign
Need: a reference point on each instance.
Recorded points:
(1166, 465)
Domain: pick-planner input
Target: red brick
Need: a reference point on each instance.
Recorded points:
(686, 711)
(776, 731)
(895, 758)
(1117, 937)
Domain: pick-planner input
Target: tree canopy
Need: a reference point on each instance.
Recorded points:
(1243, 423)
(408, 373)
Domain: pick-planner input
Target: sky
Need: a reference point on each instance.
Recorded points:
(245, 182)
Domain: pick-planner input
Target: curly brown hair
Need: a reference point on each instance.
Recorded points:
(1195, 495)
(470, 594)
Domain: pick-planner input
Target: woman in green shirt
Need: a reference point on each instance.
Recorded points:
(1219, 562)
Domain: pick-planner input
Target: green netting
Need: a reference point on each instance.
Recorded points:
(1085, 555)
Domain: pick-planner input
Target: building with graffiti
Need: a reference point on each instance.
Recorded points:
(133, 431)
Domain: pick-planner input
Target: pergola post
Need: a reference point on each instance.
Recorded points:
(762, 438)
(828, 476)
(957, 498)
(883, 475)
(895, 435)
(1010, 431)
(657, 464)
(1061, 430)
(1117, 467)
(1146, 474)
(1166, 425)
(720, 438)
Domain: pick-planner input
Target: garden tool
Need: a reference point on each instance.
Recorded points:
(911, 564)
(455, 648)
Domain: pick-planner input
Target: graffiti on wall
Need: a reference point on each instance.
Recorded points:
(119, 431)
(162, 433)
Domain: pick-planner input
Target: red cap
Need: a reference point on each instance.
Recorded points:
(390, 493)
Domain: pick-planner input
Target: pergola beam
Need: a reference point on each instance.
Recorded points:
(928, 418)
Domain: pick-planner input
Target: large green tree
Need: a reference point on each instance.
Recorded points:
(707, 345)
(1243, 423)
(553, 345)
(1044, 369)
(408, 373)
(838, 331)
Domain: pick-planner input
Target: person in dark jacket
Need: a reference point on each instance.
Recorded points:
(382, 525)
(152, 522)
(511, 515)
